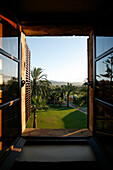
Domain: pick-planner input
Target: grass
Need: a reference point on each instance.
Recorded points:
(59, 118)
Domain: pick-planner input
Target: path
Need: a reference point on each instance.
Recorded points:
(80, 109)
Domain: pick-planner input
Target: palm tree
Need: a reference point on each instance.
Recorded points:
(34, 101)
(37, 103)
(61, 90)
(37, 76)
(69, 88)
(60, 101)
(74, 91)
(39, 91)
(39, 83)
(55, 96)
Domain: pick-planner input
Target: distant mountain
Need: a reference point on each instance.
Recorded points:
(77, 83)
(59, 83)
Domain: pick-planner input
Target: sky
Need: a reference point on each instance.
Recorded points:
(61, 58)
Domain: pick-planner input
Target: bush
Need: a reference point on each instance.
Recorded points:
(79, 101)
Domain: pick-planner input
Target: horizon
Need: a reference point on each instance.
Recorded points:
(65, 81)
(60, 83)
(61, 58)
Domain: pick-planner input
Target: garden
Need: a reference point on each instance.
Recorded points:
(51, 106)
(59, 118)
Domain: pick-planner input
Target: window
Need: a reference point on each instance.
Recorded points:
(9, 85)
(104, 85)
(103, 44)
(9, 79)
(62, 102)
(104, 79)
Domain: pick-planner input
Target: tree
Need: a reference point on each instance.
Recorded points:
(62, 92)
(60, 101)
(35, 107)
(73, 92)
(39, 91)
(54, 95)
(37, 103)
(69, 88)
(39, 81)
(57, 94)
(82, 95)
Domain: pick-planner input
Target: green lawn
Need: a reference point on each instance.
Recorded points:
(59, 118)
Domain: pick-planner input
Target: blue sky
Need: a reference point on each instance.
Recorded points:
(62, 58)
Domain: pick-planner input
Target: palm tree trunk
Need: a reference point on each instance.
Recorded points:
(35, 119)
(73, 98)
(68, 100)
(54, 101)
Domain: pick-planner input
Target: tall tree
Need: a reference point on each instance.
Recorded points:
(61, 92)
(69, 88)
(40, 84)
(39, 90)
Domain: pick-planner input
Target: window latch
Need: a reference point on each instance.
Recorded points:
(89, 83)
(22, 83)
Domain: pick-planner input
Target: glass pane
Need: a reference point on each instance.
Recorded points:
(8, 79)
(10, 45)
(9, 41)
(103, 44)
(104, 119)
(104, 79)
(9, 125)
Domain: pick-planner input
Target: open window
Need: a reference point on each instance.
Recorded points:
(60, 89)
(13, 94)
(104, 85)
(10, 83)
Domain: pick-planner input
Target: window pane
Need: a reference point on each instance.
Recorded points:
(10, 45)
(104, 79)
(8, 79)
(103, 44)
(104, 119)
(9, 41)
(9, 125)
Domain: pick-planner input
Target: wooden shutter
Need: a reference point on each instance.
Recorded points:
(28, 84)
